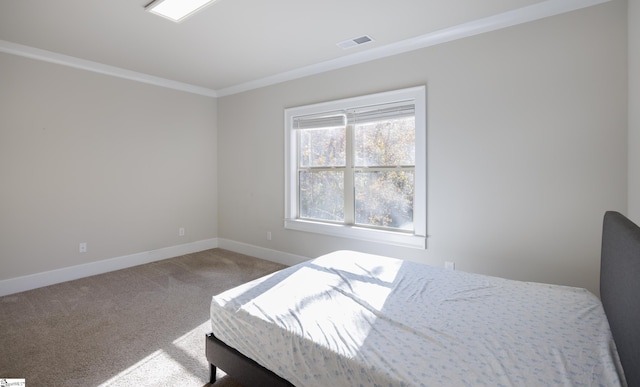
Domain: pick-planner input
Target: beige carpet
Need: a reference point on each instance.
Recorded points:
(142, 326)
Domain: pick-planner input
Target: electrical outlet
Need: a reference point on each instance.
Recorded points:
(181, 231)
(449, 265)
(268, 235)
(83, 247)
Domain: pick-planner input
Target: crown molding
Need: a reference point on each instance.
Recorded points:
(83, 64)
(492, 23)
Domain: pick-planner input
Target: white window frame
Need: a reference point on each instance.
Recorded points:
(416, 239)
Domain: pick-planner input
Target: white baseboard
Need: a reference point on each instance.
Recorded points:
(38, 280)
(33, 281)
(261, 252)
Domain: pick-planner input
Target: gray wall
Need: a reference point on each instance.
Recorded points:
(527, 142)
(89, 158)
(527, 147)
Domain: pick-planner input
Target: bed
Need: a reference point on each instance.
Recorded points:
(354, 319)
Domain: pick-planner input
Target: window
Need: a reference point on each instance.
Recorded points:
(356, 168)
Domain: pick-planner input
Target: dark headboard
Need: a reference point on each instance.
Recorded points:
(620, 289)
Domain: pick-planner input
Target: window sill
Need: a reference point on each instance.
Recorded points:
(360, 233)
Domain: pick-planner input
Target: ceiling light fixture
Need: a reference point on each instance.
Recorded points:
(176, 10)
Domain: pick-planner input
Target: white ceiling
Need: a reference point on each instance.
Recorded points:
(237, 45)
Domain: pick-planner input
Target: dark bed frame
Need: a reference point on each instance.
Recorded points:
(619, 291)
(241, 368)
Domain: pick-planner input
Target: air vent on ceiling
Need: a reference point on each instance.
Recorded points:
(355, 42)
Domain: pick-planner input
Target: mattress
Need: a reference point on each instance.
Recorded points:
(354, 319)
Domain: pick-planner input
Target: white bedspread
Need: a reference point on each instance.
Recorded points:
(353, 319)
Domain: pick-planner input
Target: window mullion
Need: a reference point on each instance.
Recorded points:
(349, 185)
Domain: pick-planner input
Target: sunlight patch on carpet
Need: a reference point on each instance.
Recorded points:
(182, 363)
